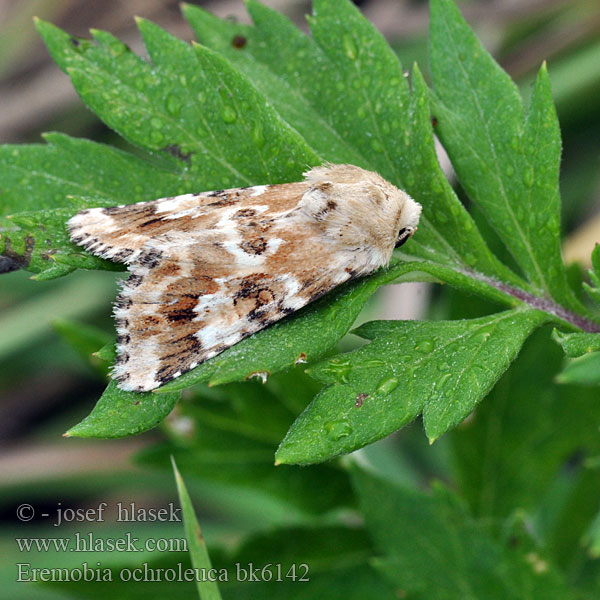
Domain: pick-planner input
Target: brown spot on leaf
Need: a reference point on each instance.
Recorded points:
(360, 398)
(177, 152)
(239, 41)
(301, 358)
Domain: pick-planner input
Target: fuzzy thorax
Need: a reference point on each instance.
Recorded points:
(360, 212)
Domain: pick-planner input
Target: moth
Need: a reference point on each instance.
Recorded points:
(207, 270)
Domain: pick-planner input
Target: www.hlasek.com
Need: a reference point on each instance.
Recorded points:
(178, 573)
(88, 542)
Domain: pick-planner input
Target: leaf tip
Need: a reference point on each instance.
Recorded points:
(175, 469)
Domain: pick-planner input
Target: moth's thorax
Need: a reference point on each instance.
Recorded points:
(359, 212)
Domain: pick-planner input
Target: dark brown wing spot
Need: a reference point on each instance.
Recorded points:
(245, 212)
(150, 257)
(123, 255)
(134, 280)
(256, 246)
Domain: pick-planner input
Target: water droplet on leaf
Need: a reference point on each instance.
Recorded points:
(425, 346)
(173, 105)
(387, 386)
(229, 115)
(336, 430)
(349, 46)
(258, 135)
(156, 137)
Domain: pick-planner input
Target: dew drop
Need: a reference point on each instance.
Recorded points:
(349, 46)
(468, 225)
(339, 369)
(387, 386)
(173, 105)
(510, 170)
(440, 382)
(361, 112)
(229, 115)
(373, 363)
(425, 346)
(336, 430)
(482, 335)
(258, 135)
(514, 142)
(156, 137)
(156, 123)
(528, 177)
(455, 209)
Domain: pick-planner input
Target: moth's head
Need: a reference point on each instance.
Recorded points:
(408, 220)
(360, 210)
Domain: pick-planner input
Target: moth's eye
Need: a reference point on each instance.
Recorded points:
(403, 236)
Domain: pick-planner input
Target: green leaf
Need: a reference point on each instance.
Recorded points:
(531, 430)
(593, 290)
(207, 589)
(577, 344)
(507, 163)
(387, 123)
(41, 243)
(442, 369)
(289, 100)
(190, 106)
(584, 370)
(433, 549)
(118, 413)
